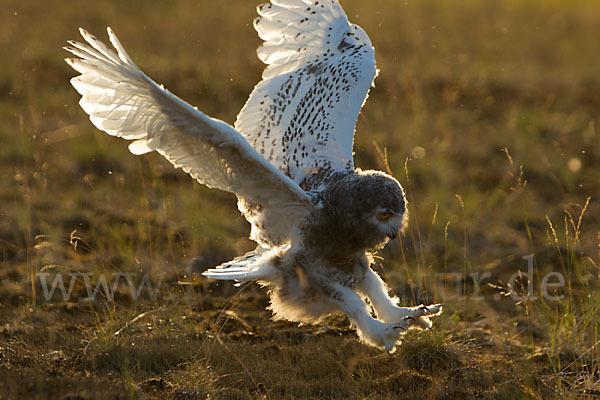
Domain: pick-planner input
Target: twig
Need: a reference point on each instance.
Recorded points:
(259, 387)
(562, 372)
(135, 319)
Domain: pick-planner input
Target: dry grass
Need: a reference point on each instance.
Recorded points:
(486, 111)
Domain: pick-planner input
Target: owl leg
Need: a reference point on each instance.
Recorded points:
(387, 308)
(371, 331)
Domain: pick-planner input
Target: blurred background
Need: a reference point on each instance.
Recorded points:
(486, 112)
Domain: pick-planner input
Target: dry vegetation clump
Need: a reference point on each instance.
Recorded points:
(487, 112)
(432, 352)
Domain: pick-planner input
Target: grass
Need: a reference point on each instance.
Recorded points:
(487, 112)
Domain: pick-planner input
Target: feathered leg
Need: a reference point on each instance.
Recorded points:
(386, 307)
(374, 332)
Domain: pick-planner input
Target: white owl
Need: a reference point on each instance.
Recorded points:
(288, 158)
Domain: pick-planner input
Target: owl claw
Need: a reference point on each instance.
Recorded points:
(392, 333)
(389, 334)
(430, 310)
(415, 317)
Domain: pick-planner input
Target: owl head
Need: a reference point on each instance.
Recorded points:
(370, 207)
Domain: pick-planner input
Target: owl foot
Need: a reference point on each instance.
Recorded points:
(420, 316)
(390, 334)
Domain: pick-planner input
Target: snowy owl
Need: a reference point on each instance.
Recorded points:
(288, 159)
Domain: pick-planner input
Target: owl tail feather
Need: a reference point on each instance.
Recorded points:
(254, 265)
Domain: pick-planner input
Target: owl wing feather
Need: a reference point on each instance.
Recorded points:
(301, 117)
(122, 101)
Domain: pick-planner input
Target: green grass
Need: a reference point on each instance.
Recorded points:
(487, 112)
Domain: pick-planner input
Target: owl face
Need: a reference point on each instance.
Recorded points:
(368, 207)
(384, 208)
(388, 222)
(385, 222)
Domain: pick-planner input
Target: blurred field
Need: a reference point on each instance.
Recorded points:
(488, 113)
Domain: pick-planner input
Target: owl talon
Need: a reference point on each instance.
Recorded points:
(416, 317)
(431, 310)
(390, 334)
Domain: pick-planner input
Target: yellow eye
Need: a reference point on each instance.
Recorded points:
(384, 216)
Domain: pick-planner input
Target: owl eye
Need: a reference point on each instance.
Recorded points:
(384, 216)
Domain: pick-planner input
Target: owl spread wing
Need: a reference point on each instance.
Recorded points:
(122, 101)
(301, 117)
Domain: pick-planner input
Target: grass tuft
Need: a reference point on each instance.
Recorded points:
(431, 351)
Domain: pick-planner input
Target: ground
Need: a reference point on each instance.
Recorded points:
(487, 112)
